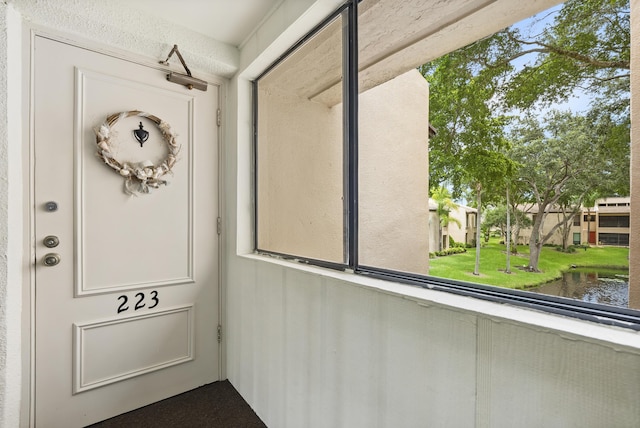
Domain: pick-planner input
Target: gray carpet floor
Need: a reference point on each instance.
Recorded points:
(216, 405)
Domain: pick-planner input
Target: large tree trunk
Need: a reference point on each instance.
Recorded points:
(566, 231)
(476, 270)
(535, 242)
(534, 256)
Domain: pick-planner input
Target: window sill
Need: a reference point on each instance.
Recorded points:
(503, 312)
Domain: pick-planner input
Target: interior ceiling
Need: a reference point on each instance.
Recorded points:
(228, 21)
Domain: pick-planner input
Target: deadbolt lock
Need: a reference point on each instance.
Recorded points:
(51, 241)
(51, 259)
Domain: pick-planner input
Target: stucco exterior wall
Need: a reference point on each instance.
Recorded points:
(585, 227)
(394, 174)
(464, 233)
(300, 172)
(434, 230)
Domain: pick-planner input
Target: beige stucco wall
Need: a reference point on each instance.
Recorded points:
(394, 174)
(434, 230)
(550, 220)
(584, 228)
(300, 172)
(464, 233)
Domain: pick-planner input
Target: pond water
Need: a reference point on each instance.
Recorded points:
(607, 287)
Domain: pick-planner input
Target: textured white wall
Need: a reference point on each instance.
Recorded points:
(311, 348)
(4, 215)
(113, 23)
(11, 221)
(307, 350)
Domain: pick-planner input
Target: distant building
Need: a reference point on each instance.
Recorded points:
(607, 223)
(465, 233)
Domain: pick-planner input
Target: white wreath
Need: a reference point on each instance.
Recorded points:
(141, 176)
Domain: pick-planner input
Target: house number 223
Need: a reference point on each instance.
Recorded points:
(140, 300)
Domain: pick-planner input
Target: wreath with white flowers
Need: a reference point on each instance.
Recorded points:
(140, 176)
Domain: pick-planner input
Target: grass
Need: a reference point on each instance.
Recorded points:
(552, 264)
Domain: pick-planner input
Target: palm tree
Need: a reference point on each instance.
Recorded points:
(442, 197)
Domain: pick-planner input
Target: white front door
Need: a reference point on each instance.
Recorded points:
(126, 312)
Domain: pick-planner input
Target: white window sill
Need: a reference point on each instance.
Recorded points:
(538, 320)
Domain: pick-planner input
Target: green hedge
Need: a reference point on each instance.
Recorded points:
(449, 251)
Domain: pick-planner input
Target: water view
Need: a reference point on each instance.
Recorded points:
(609, 287)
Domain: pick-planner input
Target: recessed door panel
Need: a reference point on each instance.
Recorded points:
(148, 252)
(137, 345)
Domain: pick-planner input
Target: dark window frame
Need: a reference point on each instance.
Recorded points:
(615, 239)
(614, 221)
(598, 313)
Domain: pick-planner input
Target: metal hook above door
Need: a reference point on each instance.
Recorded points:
(183, 79)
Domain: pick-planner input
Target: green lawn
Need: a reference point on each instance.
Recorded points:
(552, 264)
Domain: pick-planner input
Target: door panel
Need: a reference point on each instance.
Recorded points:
(139, 230)
(129, 315)
(137, 345)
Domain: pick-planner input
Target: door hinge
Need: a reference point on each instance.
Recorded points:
(219, 116)
(219, 333)
(219, 226)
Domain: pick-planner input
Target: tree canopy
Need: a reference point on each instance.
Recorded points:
(561, 167)
(485, 98)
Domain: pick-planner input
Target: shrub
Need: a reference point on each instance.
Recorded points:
(449, 251)
(570, 248)
(452, 242)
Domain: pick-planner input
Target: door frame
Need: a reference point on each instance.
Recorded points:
(29, 32)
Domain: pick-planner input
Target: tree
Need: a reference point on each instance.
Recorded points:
(583, 45)
(460, 105)
(496, 217)
(445, 205)
(560, 164)
(519, 203)
(468, 150)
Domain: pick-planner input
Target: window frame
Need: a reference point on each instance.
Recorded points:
(587, 311)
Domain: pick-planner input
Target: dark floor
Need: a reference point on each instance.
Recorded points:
(215, 405)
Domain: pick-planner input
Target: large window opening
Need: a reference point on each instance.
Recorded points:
(481, 149)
